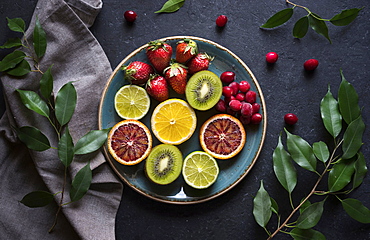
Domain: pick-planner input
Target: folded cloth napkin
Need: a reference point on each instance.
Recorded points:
(76, 56)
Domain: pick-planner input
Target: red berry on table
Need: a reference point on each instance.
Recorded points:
(235, 87)
(272, 57)
(247, 109)
(227, 91)
(310, 64)
(244, 86)
(185, 50)
(138, 72)
(235, 105)
(256, 107)
(157, 87)
(221, 21)
(198, 63)
(227, 77)
(240, 97)
(176, 75)
(290, 118)
(228, 99)
(251, 97)
(256, 118)
(159, 55)
(130, 16)
(221, 106)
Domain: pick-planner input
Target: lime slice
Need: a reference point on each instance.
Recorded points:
(200, 170)
(131, 102)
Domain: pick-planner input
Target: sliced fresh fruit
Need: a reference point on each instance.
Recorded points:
(200, 170)
(222, 136)
(173, 121)
(129, 142)
(131, 102)
(164, 164)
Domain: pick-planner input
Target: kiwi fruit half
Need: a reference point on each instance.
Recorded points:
(203, 90)
(164, 164)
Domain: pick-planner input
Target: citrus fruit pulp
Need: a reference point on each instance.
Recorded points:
(131, 102)
(129, 142)
(173, 121)
(222, 136)
(200, 170)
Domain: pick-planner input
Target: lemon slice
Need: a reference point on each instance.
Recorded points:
(200, 170)
(131, 102)
(173, 121)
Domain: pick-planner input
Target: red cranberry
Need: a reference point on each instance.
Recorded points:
(245, 119)
(221, 106)
(272, 57)
(227, 77)
(235, 105)
(221, 21)
(240, 97)
(247, 109)
(310, 64)
(235, 87)
(256, 107)
(231, 112)
(251, 97)
(227, 91)
(244, 86)
(256, 118)
(228, 99)
(290, 118)
(130, 16)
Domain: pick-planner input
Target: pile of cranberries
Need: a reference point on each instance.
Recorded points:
(238, 100)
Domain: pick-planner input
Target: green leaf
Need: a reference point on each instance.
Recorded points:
(81, 183)
(33, 102)
(47, 83)
(356, 210)
(321, 151)
(274, 206)
(65, 103)
(262, 207)
(348, 101)
(278, 18)
(360, 170)
(12, 42)
(311, 215)
(171, 6)
(319, 25)
(345, 17)
(11, 60)
(37, 199)
(306, 234)
(352, 138)
(306, 204)
(301, 152)
(16, 24)
(283, 167)
(91, 142)
(330, 115)
(340, 175)
(20, 70)
(33, 138)
(301, 27)
(39, 39)
(65, 148)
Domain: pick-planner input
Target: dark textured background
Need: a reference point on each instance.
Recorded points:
(286, 88)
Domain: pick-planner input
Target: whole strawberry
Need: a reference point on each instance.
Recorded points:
(138, 72)
(176, 75)
(185, 50)
(198, 63)
(159, 54)
(157, 87)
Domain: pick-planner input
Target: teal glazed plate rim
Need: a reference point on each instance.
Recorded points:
(232, 171)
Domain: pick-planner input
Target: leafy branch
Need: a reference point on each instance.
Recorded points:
(343, 165)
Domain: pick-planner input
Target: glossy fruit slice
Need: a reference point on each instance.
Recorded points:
(173, 121)
(200, 170)
(131, 102)
(222, 136)
(129, 142)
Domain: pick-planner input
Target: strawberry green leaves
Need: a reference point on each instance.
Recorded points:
(171, 6)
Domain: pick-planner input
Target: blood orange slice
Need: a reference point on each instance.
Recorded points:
(129, 142)
(222, 136)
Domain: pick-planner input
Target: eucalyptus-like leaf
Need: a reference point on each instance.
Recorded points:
(301, 27)
(360, 170)
(340, 175)
(65, 103)
(274, 206)
(278, 18)
(47, 83)
(11, 60)
(65, 148)
(306, 234)
(304, 205)
(319, 25)
(20, 70)
(16, 24)
(352, 138)
(34, 102)
(321, 151)
(37, 199)
(262, 207)
(345, 17)
(33, 138)
(330, 114)
(348, 101)
(81, 183)
(355, 209)
(39, 39)
(301, 152)
(171, 6)
(311, 215)
(12, 42)
(283, 167)
(91, 142)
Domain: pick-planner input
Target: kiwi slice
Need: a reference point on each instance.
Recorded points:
(203, 90)
(164, 164)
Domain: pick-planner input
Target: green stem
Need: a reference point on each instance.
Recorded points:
(308, 10)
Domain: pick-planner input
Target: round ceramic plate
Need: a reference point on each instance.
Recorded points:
(232, 171)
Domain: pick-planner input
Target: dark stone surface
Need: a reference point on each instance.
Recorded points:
(286, 88)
